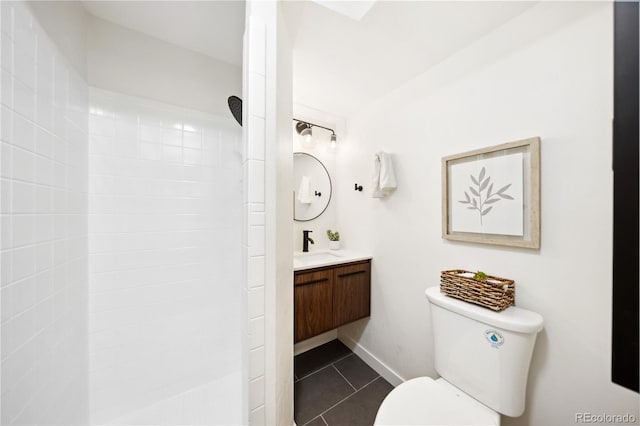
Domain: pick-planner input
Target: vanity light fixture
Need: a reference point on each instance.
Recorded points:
(304, 128)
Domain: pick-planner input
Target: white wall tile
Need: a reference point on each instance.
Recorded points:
(24, 66)
(256, 417)
(256, 240)
(6, 134)
(6, 231)
(22, 262)
(23, 295)
(7, 88)
(6, 60)
(24, 99)
(256, 393)
(23, 30)
(256, 207)
(256, 138)
(23, 325)
(255, 189)
(163, 264)
(24, 165)
(7, 19)
(22, 197)
(256, 363)
(23, 132)
(258, 50)
(255, 277)
(44, 346)
(5, 270)
(257, 95)
(256, 302)
(256, 218)
(256, 332)
(23, 230)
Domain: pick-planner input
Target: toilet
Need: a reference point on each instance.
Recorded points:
(483, 360)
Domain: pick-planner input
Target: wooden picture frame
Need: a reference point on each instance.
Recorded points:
(509, 160)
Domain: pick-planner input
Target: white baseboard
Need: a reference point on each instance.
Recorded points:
(315, 341)
(380, 367)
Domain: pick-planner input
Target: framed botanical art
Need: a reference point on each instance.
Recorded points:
(492, 195)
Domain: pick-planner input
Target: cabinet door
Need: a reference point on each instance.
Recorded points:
(351, 292)
(313, 311)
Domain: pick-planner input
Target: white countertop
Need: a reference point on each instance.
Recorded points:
(320, 258)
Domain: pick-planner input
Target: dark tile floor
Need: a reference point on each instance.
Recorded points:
(334, 387)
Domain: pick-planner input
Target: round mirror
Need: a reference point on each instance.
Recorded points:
(311, 187)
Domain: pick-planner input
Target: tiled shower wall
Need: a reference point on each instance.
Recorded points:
(254, 203)
(165, 340)
(165, 221)
(44, 228)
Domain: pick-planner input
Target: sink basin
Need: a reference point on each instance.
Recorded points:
(316, 257)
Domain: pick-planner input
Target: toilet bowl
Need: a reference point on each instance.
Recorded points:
(483, 358)
(424, 401)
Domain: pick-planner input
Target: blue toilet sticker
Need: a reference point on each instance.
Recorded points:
(494, 338)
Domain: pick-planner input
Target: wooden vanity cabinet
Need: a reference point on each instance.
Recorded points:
(351, 292)
(328, 297)
(313, 303)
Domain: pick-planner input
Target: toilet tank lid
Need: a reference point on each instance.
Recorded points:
(512, 319)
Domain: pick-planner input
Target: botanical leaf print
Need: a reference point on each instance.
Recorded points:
(478, 201)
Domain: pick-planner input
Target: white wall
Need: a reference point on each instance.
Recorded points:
(44, 227)
(127, 61)
(320, 148)
(165, 201)
(547, 73)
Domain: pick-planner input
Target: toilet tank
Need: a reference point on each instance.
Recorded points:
(485, 354)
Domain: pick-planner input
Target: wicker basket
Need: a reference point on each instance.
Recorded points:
(494, 293)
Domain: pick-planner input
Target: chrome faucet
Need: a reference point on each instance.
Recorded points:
(306, 239)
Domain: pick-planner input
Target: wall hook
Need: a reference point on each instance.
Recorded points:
(358, 187)
(318, 194)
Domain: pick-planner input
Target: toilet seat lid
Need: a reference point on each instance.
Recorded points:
(424, 401)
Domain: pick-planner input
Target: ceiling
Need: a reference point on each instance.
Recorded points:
(213, 28)
(351, 9)
(344, 57)
(341, 64)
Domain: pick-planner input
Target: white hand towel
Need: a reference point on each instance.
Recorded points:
(383, 179)
(304, 191)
